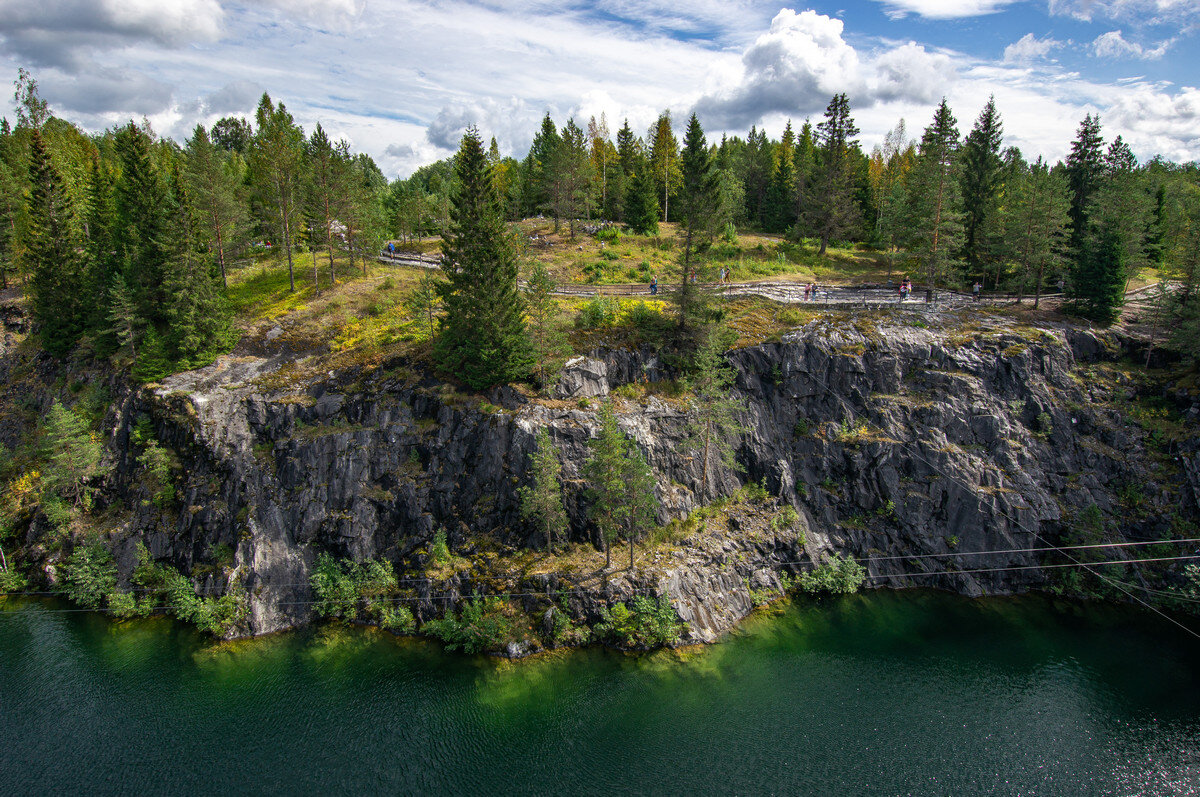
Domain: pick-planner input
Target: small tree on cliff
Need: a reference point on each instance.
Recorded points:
(482, 339)
(542, 501)
(622, 486)
(714, 409)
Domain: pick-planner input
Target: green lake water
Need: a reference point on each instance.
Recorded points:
(883, 693)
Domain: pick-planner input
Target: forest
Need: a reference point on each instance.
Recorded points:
(124, 241)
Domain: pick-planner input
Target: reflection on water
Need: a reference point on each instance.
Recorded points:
(881, 693)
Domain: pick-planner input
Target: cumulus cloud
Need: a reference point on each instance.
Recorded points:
(235, 97)
(1030, 48)
(797, 64)
(63, 32)
(803, 60)
(943, 9)
(1114, 45)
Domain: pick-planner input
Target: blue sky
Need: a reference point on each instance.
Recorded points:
(400, 79)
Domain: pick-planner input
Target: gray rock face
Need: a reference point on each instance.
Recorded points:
(889, 442)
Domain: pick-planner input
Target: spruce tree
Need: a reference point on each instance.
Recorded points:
(934, 206)
(51, 254)
(1085, 165)
(142, 205)
(197, 323)
(982, 175)
(697, 212)
(100, 236)
(780, 199)
(482, 339)
(10, 209)
(1038, 222)
(425, 302)
(830, 206)
(1098, 281)
(641, 202)
(541, 501)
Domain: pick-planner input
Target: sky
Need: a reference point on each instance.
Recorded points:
(401, 79)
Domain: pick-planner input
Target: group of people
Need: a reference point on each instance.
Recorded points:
(905, 288)
(810, 292)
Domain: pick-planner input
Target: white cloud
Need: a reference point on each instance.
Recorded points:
(1114, 45)
(1030, 48)
(1153, 12)
(943, 9)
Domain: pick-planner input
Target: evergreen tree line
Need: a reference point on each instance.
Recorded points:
(124, 240)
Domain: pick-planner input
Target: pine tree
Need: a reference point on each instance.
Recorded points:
(933, 213)
(804, 164)
(545, 338)
(1085, 166)
(621, 485)
(830, 208)
(697, 212)
(425, 302)
(215, 183)
(664, 161)
(52, 255)
(277, 168)
(10, 209)
(569, 177)
(541, 501)
(714, 412)
(1122, 202)
(482, 339)
(100, 236)
(536, 171)
(981, 179)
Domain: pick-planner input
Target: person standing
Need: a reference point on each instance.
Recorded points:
(654, 286)
(975, 290)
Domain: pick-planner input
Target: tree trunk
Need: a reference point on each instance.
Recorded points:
(316, 274)
(607, 555)
(824, 244)
(631, 551)
(221, 258)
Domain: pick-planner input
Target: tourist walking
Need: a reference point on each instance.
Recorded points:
(654, 286)
(975, 290)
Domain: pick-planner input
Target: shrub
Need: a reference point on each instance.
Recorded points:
(1045, 426)
(597, 313)
(387, 284)
(485, 624)
(216, 615)
(786, 518)
(642, 623)
(89, 574)
(159, 463)
(343, 588)
(836, 575)
(609, 235)
(11, 581)
(439, 551)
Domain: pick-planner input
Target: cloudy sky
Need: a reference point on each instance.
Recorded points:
(400, 79)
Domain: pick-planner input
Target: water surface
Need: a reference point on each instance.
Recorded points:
(883, 693)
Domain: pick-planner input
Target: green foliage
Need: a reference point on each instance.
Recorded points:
(73, 456)
(439, 550)
(482, 339)
(542, 501)
(343, 589)
(11, 581)
(836, 575)
(640, 624)
(89, 574)
(160, 464)
(621, 485)
(714, 413)
(786, 518)
(484, 625)
(546, 339)
(598, 313)
(610, 235)
(216, 615)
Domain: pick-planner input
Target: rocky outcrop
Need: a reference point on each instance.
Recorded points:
(893, 444)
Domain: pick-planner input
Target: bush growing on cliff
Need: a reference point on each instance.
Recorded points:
(485, 624)
(169, 589)
(837, 576)
(343, 588)
(642, 623)
(89, 574)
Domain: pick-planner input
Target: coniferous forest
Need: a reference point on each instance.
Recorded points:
(124, 241)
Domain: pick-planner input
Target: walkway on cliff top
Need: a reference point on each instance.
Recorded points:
(788, 292)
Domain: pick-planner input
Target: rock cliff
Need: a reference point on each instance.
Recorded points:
(895, 443)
